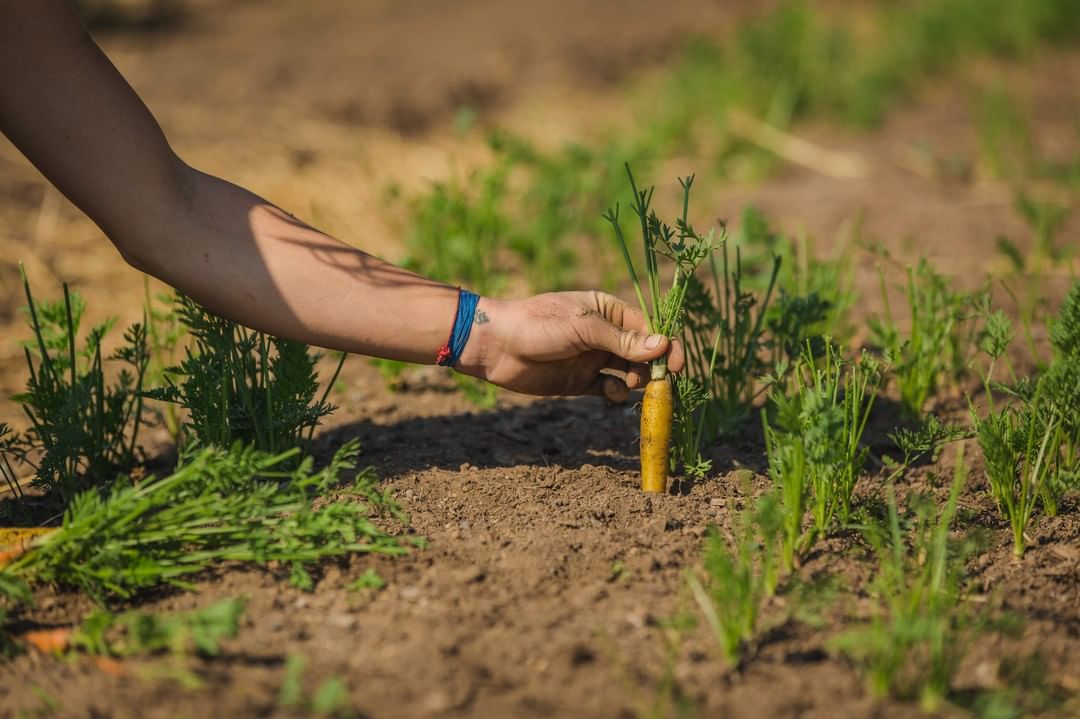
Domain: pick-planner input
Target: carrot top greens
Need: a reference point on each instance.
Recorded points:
(681, 244)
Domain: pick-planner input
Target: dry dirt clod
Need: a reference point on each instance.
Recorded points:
(1068, 552)
(341, 621)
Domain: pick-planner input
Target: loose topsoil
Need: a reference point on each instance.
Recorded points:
(549, 577)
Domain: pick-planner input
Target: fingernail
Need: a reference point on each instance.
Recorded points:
(653, 341)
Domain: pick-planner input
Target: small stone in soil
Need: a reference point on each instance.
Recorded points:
(341, 621)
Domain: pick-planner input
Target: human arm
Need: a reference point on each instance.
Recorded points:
(65, 106)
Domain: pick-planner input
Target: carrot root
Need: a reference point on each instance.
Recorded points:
(657, 411)
(49, 641)
(16, 541)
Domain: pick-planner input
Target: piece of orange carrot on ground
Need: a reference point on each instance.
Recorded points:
(110, 666)
(14, 541)
(49, 641)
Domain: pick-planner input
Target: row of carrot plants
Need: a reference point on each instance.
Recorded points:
(817, 404)
(244, 489)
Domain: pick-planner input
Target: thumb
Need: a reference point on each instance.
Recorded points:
(599, 334)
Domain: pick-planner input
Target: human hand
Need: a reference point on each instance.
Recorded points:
(564, 343)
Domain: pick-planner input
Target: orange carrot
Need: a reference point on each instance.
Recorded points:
(686, 250)
(49, 641)
(15, 541)
(657, 412)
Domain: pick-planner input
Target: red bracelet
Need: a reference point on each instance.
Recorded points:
(444, 351)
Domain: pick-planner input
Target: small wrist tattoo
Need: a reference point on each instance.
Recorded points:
(480, 318)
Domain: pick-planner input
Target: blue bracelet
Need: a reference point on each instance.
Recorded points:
(450, 352)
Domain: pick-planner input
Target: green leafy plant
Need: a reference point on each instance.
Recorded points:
(1065, 331)
(370, 579)
(164, 335)
(737, 576)
(919, 629)
(815, 292)
(685, 249)
(83, 427)
(925, 440)
(9, 443)
(236, 505)
(1059, 388)
(937, 344)
(1030, 444)
(330, 698)
(1045, 217)
(682, 245)
(1004, 134)
(724, 339)
(813, 441)
(139, 633)
(1018, 449)
(561, 196)
(241, 385)
(457, 231)
(526, 211)
(789, 467)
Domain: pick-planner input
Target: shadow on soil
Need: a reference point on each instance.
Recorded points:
(566, 433)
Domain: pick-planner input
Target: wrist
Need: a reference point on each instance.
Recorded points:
(482, 350)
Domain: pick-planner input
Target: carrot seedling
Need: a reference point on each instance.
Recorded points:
(814, 441)
(737, 576)
(686, 250)
(222, 505)
(937, 344)
(920, 627)
(83, 428)
(237, 384)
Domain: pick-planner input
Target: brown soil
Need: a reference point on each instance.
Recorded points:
(549, 575)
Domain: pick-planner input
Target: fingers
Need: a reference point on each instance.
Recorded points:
(611, 387)
(623, 331)
(637, 376)
(621, 314)
(634, 375)
(676, 357)
(615, 390)
(598, 333)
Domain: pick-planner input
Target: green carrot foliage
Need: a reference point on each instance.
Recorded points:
(737, 577)
(139, 633)
(241, 385)
(814, 441)
(236, 505)
(919, 630)
(939, 342)
(83, 425)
